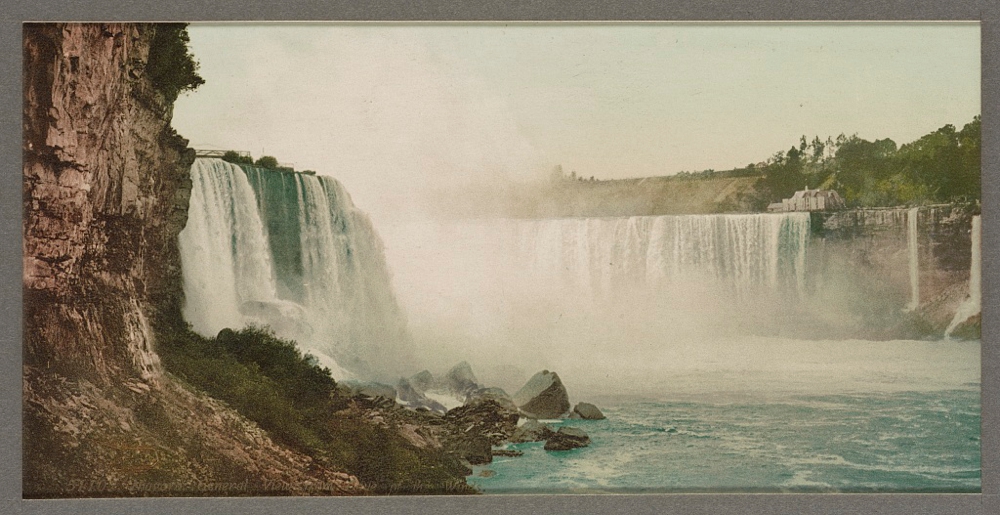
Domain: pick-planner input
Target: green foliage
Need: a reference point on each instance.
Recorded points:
(267, 162)
(233, 157)
(171, 67)
(269, 381)
(263, 377)
(943, 166)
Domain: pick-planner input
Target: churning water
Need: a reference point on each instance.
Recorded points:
(678, 327)
(654, 319)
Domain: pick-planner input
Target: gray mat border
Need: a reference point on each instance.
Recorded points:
(13, 12)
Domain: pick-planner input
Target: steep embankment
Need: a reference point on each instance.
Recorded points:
(105, 194)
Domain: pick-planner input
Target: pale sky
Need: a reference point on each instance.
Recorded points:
(390, 108)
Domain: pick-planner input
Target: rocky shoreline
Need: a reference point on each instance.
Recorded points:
(485, 422)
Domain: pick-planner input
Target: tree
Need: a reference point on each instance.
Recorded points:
(267, 162)
(171, 67)
(557, 174)
(232, 156)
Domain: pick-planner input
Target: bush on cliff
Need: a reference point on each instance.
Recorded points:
(269, 381)
(234, 157)
(267, 162)
(171, 67)
(263, 377)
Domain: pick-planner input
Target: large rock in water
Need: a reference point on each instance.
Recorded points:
(567, 438)
(422, 381)
(491, 394)
(531, 431)
(460, 380)
(543, 396)
(586, 411)
(487, 418)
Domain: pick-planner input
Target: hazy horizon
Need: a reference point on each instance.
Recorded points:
(392, 109)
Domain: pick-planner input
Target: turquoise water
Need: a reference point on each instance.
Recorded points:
(897, 441)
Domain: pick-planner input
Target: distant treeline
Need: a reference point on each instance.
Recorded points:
(269, 162)
(942, 166)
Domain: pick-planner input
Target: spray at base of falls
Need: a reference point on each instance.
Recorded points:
(972, 306)
(290, 251)
(913, 253)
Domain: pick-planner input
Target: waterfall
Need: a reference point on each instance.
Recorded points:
(596, 255)
(973, 303)
(550, 287)
(290, 251)
(224, 252)
(913, 253)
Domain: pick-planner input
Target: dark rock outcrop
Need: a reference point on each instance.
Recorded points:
(543, 396)
(567, 438)
(488, 418)
(586, 411)
(531, 431)
(491, 394)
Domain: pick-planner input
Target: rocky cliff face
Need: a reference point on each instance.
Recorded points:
(868, 266)
(105, 194)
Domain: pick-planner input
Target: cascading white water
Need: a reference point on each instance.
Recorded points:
(527, 293)
(973, 304)
(224, 252)
(290, 251)
(913, 254)
(594, 256)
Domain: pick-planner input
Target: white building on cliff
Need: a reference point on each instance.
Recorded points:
(809, 200)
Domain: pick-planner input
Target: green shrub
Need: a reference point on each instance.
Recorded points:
(267, 162)
(232, 156)
(268, 380)
(171, 67)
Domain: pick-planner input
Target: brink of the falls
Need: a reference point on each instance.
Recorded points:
(290, 251)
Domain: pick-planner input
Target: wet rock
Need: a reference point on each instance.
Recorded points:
(543, 396)
(460, 380)
(531, 431)
(475, 449)
(422, 381)
(586, 411)
(508, 453)
(567, 438)
(487, 418)
(491, 394)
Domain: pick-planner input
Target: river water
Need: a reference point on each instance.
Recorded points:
(678, 329)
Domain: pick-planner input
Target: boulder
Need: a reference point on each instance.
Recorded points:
(567, 438)
(475, 449)
(460, 380)
(369, 389)
(486, 418)
(491, 394)
(413, 399)
(543, 396)
(586, 411)
(422, 381)
(531, 431)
